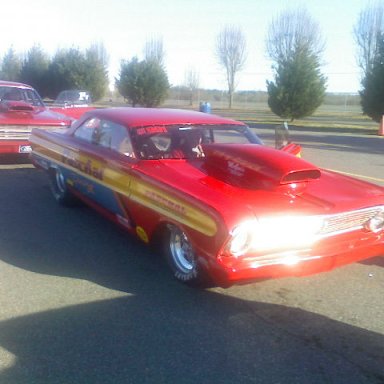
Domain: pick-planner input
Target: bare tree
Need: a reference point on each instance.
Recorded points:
(192, 82)
(154, 50)
(367, 33)
(231, 54)
(99, 52)
(291, 31)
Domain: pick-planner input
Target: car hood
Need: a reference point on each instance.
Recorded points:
(255, 166)
(21, 113)
(263, 181)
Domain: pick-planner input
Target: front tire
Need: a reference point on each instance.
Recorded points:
(180, 256)
(59, 188)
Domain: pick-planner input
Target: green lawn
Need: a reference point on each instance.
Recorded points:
(344, 116)
(327, 117)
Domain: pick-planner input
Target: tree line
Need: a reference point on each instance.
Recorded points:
(67, 69)
(294, 44)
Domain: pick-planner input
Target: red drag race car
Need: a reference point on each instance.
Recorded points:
(221, 206)
(21, 110)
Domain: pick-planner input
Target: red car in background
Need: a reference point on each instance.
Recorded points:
(216, 202)
(21, 110)
(72, 103)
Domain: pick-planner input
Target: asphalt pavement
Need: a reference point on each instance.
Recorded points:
(83, 302)
(355, 154)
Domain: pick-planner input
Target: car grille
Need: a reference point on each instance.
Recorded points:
(348, 221)
(21, 135)
(19, 132)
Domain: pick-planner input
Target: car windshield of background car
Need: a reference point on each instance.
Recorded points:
(20, 94)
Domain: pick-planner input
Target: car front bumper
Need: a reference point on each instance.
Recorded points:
(327, 255)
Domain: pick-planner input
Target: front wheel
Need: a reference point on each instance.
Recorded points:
(181, 257)
(59, 188)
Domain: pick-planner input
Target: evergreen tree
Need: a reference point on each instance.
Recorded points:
(34, 69)
(143, 82)
(11, 66)
(155, 83)
(299, 87)
(96, 76)
(128, 81)
(295, 44)
(67, 70)
(372, 94)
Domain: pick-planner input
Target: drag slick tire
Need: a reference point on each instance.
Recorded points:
(59, 188)
(180, 256)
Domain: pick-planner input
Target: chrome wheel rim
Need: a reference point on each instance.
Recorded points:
(60, 182)
(181, 251)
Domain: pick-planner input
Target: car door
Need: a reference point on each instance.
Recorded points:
(106, 157)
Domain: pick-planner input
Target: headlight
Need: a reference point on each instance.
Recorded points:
(274, 233)
(376, 224)
(242, 238)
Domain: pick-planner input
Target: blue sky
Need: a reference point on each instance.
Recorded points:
(188, 29)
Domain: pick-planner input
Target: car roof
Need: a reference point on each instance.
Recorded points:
(141, 117)
(13, 84)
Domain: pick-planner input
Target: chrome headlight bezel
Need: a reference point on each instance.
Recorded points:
(376, 223)
(240, 240)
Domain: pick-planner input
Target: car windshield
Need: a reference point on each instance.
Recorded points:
(186, 141)
(73, 97)
(27, 95)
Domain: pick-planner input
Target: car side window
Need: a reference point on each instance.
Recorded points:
(31, 97)
(120, 140)
(13, 94)
(86, 131)
(106, 134)
(102, 134)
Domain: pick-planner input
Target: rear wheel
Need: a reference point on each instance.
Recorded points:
(180, 255)
(59, 188)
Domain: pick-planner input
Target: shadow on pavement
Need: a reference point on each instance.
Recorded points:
(14, 159)
(161, 331)
(186, 336)
(379, 261)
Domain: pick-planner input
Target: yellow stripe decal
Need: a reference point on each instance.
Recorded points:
(139, 191)
(167, 205)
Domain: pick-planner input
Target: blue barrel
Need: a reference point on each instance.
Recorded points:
(205, 107)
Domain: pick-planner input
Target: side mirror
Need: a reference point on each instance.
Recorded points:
(282, 135)
(283, 142)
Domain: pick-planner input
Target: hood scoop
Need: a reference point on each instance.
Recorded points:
(16, 106)
(254, 166)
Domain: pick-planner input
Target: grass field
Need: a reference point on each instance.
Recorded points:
(339, 112)
(348, 118)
